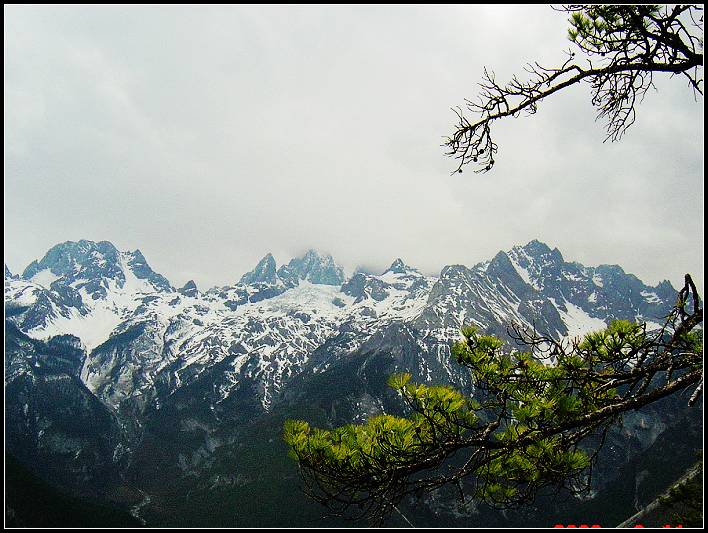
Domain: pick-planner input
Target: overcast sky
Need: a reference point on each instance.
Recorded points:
(209, 136)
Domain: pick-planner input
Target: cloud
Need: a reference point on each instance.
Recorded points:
(208, 136)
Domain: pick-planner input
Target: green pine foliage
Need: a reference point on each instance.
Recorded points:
(537, 396)
(521, 432)
(605, 28)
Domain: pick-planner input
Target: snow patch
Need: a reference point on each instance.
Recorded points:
(93, 329)
(525, 275)
(651, 297)
(305, 297)
(578, 322)
(44, 278)
(21, 292)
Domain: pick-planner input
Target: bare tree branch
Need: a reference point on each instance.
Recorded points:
(624, 47)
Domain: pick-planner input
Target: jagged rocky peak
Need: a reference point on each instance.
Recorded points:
(611, 271)
(614, 275)
(614, 278)
(666, 290)
(78, 260)
(139, 266)
(91, 265)
(535, 247)
(540, 250)
(189, 289)
(500, 261)
(454, 272)
(8, 274)
(399, 267)
(501, 268)
(537, 263)
(314, 267)
(263, 273)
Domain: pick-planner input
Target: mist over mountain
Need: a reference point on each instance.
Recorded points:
(168, 401)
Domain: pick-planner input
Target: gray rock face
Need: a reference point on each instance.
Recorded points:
(90, 264)
(189, 289)
(54, 424)
(139, 267)
(315, 268)
(362, 286)
(267, 282)
(605, 292)
(81, 279)
(93, 266)
(263, 273)
(398, 267)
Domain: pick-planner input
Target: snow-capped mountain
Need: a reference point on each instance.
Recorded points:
(100, 333)
(139, 331)
(82, 288)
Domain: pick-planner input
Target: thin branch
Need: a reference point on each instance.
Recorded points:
(628, 54)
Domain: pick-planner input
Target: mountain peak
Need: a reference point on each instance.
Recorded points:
(501, 257)
(77, 260)
(139, 266)
(315, 267)
(666, 285)
(263, 273)
(93, 264)
(399, 267)
(189, 289)
(138, 255)
(500, 262)
(536, 247)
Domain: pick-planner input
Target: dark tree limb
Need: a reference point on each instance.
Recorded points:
(624, 48)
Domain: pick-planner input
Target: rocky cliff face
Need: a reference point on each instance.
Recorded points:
(53, 421)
